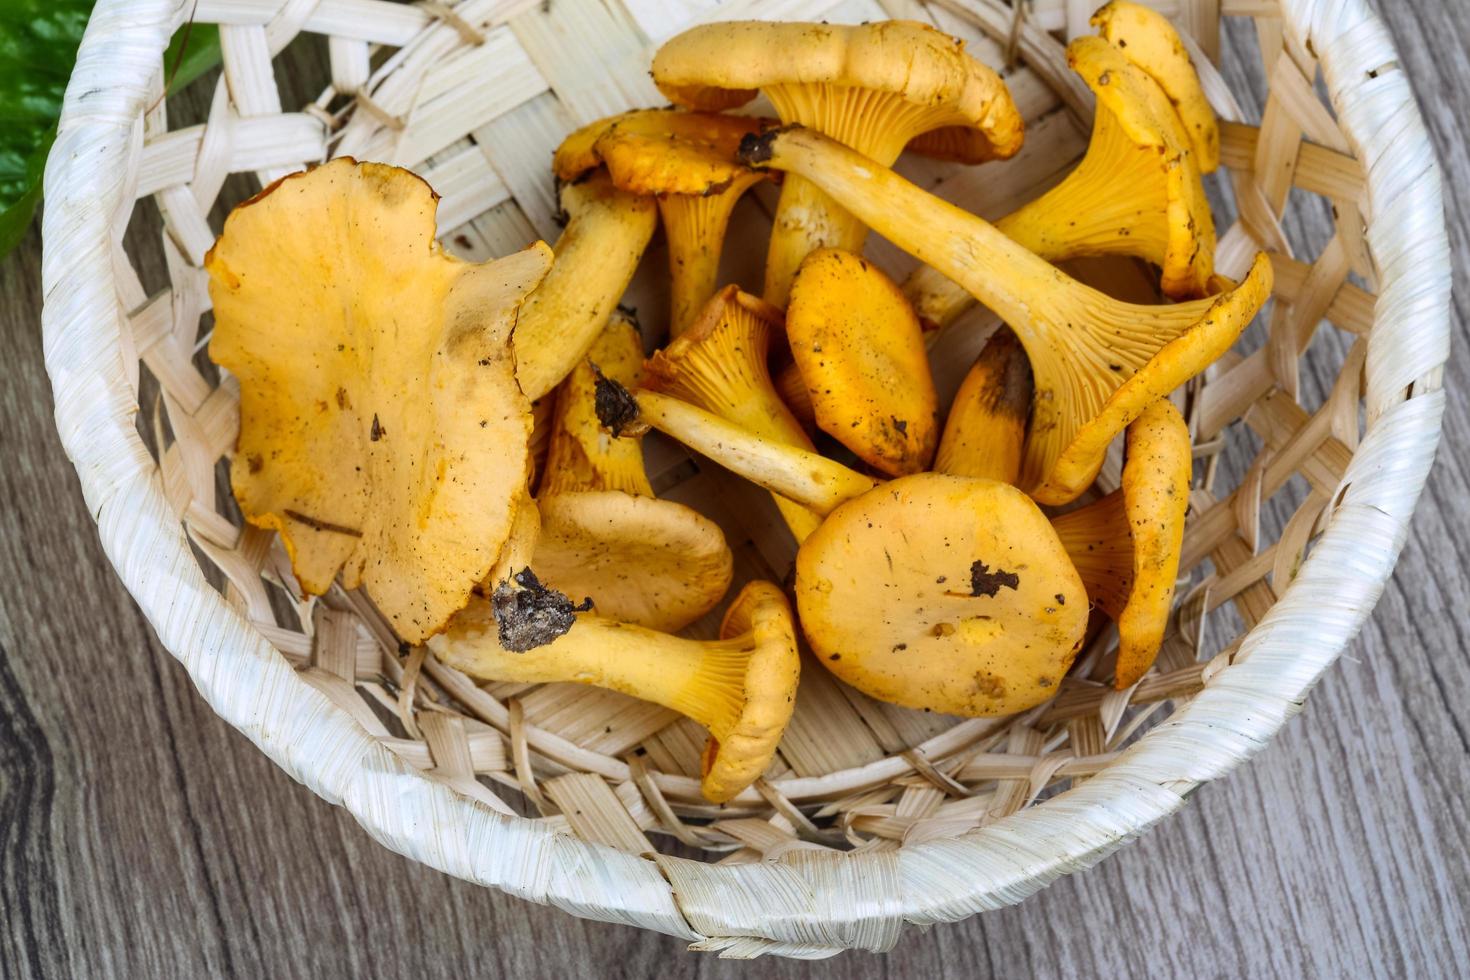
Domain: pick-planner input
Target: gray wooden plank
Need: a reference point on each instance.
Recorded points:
(141, 836)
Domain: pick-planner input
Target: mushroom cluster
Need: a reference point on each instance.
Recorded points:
(461, 440)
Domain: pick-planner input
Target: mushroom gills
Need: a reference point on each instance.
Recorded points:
(719, 364)
(1097, 362)
(1126, 546)
(1137, 192)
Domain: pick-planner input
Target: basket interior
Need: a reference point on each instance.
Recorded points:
(474, 98)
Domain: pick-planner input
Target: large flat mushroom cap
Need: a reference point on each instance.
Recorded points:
(382, 432)
(942, 592)
(641, 560)
(720, 65)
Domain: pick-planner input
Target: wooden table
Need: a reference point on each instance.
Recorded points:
(142, 836)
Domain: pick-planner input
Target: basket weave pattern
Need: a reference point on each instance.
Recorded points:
(872, 816)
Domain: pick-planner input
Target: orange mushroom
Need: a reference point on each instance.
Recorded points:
(1097, 362)
(382, 432)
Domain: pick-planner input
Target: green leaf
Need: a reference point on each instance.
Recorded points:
(38, 48)
(192, 52)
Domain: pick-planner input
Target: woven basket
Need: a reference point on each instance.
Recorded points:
(872, 816)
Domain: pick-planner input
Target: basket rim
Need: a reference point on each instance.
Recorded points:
(87, 186)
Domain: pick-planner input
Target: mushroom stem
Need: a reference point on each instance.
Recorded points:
(695, 226)
(596, 257)
(807, 218)
(741, 687)
(808, 478)
(1085, 347)
(805, 477)
(687, 676)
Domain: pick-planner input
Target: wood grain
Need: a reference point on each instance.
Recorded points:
(141, 836)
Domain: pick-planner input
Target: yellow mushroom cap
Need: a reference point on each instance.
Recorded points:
(1126, 546)
(653, 165)
(860, 351)
(642, 560)
(697, 138)
(985, 434)
(1184, 248)
(942, 592)
(717, 66)
(1148, 40)
(743, 742)
(687, 162)
(382, 432)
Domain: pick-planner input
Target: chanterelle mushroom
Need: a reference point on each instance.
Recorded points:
(875, 87)
(932, 591)
(942, 592)
(742, 687)
(1148, 40)
(985, 434)
(1097, 362)
(719, 364)
(1126, 546)
(656, 563)
(382, 432)
(596, 256)
(1138, 191)
(860, 353)
(798, 474)
(580, 455)
(686, 161)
